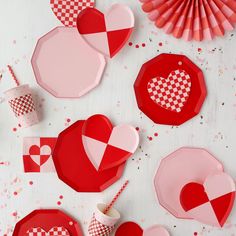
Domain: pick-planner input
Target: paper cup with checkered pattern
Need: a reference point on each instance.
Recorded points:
(21, 102)
(103, 224)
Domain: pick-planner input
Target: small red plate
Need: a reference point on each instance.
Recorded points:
(47, 219)
(74, 167)
(170, 89)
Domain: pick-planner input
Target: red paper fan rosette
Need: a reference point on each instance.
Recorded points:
(192, 19)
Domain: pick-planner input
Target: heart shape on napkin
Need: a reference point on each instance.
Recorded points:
(108, 32)
(131, 228)
(172, 92)
(40, 154)
(67, 11)
(108, 146)
(55, 231)
(212, 202)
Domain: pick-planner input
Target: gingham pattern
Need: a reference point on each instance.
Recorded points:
(55, 231)
(67, 10)
(171, 93)
(22, 105)
(98, 229)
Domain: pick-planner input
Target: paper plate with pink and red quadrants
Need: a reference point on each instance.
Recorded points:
(170, 89)
(65, 65)
(46, 222)
(106, 33)
(91, 154)
(191, 172)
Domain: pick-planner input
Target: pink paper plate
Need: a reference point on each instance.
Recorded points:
(65, 65)
(179, 168)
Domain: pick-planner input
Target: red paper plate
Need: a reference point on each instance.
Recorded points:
(47, 220)
(170, 89)
(74, 167)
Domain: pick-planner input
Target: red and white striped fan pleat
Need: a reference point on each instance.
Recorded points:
(192, 19)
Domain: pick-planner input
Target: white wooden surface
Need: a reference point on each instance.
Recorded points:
(22, 22)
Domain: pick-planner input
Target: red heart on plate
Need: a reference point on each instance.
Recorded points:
(172, 92)
(67, 10)
(212, 202)
(108, 32)
(40, 154)
(133, 229)
(55, 231)
(108, 146)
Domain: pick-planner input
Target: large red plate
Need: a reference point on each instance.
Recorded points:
(162, 66)
(74, 167)
(47, 219)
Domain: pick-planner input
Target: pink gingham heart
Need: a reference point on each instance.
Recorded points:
(55, 231)
(170, 93)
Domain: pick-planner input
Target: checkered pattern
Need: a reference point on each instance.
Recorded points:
(22, 105)
(67, 10)
(55, 231)
(98, 229)
(171, 93)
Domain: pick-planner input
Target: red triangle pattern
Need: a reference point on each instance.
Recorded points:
(222, 207)
(117, 39)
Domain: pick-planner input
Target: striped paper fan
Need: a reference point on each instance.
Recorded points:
(192, 19)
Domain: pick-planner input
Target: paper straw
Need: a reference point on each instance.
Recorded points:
(116, 197)
(13, 75)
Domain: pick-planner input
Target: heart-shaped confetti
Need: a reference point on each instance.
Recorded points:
(67, 11)
(172, 92)
(40, 154)
(108, 146)
(107, 32)
(55, 231)
(212, 202)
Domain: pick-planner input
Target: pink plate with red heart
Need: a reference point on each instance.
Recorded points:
(178, 169)
(170, 89)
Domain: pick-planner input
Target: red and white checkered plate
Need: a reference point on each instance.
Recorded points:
(67, 10)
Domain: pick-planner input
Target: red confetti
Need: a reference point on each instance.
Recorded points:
(130, 43)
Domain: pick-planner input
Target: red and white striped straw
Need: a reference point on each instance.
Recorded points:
(116, 197)
(13, 75)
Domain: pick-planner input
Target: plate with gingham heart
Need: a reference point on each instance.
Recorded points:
(170, 89)
(47, 222)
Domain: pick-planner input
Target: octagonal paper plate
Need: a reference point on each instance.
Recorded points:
(46, 220)
(179, 168)
(74, 167)
(65, 65)
(170, 89)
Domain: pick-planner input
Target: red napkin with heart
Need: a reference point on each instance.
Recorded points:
(37, 154)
